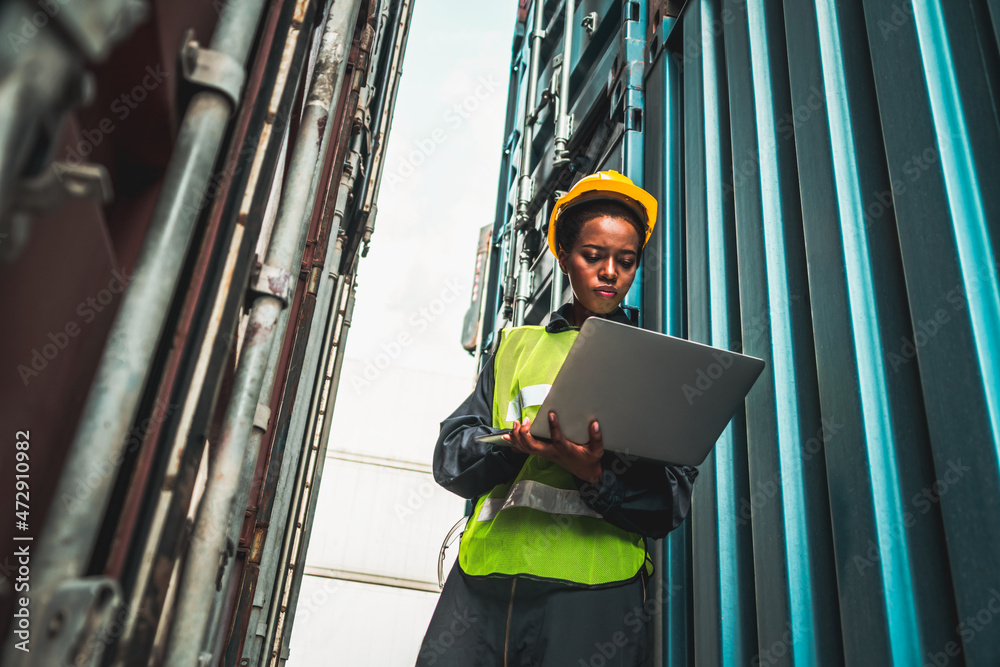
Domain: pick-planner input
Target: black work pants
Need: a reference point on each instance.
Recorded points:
(520, 622)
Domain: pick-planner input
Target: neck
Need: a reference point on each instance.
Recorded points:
(578, 314)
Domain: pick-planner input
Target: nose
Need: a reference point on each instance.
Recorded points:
(609, 270)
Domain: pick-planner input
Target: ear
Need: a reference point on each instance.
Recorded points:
(562, 257)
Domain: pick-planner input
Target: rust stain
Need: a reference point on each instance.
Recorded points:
(258, 544)
(300, 11)
(257, 333)
(278, 284)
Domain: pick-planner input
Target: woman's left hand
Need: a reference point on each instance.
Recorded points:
(584, 461)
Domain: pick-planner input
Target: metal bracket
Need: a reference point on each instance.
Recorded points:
(262, 416)
(205, 68)
(77, 622)
(273, 280)
(47, 191)
(44, 193)
(589, 23)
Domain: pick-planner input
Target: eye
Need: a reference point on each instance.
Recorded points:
(627, 263)
(592, 258)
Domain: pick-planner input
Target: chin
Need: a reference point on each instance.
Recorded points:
(602, 308)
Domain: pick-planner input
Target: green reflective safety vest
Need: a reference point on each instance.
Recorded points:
(538, 525)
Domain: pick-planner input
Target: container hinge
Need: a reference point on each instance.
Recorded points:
(205, 68)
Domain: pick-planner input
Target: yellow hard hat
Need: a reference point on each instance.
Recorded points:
(606, 185)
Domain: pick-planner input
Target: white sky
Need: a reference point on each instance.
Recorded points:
(438, 189)
(404, 367)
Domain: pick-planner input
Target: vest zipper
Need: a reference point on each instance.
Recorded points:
(510, 609)
(642, 578)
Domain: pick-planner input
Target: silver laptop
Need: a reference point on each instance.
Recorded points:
(655, 396)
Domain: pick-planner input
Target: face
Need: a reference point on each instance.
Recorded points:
(601, 266)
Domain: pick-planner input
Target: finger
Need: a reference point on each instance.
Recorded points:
(515, 440)
(518, 437)
(555, 433)
(596, 439)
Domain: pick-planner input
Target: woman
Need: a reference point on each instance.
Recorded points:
(553, 567)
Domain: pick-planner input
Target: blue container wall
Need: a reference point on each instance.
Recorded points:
(828, 178)
(829, 171)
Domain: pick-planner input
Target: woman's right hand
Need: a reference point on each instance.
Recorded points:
(584, 461)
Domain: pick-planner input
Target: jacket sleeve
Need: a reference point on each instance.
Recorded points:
(462, 464)
(640, 496)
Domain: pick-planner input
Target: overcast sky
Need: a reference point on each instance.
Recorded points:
(404, 368)
(404, 361)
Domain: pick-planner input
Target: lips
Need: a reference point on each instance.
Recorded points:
(606, 292)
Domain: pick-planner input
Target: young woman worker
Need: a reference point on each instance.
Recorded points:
(552, 568)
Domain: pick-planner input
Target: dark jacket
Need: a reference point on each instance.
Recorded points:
(638, 496)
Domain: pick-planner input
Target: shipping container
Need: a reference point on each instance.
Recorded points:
(186, 189)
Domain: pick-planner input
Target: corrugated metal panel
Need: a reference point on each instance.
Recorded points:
(826, 171)
(838, 225)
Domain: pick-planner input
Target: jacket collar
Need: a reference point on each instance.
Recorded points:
(558, 321)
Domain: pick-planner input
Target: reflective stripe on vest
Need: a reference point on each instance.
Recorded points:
(537, 524)
(537, 496)
(528, 397)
